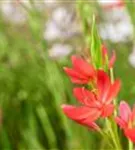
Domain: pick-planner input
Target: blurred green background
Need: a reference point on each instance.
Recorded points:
(37, 39)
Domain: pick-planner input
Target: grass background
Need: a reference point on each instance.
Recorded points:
(33, 87)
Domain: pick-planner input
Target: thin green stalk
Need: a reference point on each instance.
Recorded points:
(112, 81)
(113, 126)
(112, 75)
(113, 134)
(130, 145)
(106, 137)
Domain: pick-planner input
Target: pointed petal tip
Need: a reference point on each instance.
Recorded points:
(65, 68)
(64, 106)
(73, 58)
(123, 102)
(67, 107)
(125, 111)
(118, 83)
(112, 59)
(118, 80)
(104, 50)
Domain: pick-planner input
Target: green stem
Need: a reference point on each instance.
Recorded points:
(113, 133)
(106, 137)
(130, 145)
(113, 126)
(112, 81)
(112, 75)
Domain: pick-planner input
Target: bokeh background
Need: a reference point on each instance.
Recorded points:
(37, 38)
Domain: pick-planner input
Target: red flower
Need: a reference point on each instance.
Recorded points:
(103, 97)
(113, 4)
(82, 72)
(83, 115)
(94, 104)
(105, 54)
(126, 120)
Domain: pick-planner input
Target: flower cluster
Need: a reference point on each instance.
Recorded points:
(96, 96)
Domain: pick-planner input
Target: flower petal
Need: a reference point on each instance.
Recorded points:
(79, 81)
(90, 125)
(94, 126)
(103, 85)
(84, 96)
(113, 91)
(104, 51)
(133, 114)
(73, 73)
(112, 60)
(83, 66)
(125, 111)
(130, 133)
(107, 110)
(121, 122)
(80, 113)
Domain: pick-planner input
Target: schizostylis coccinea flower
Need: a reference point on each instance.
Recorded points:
(94, 104)
(126, 120)
(81, 72)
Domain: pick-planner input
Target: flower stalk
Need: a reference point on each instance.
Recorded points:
(130, 145)
(113, 134)
(114, 131)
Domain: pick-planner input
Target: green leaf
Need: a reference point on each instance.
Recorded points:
(95, 47)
